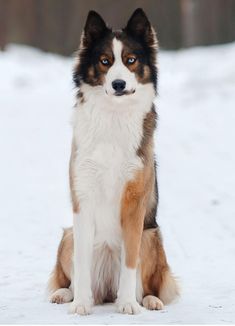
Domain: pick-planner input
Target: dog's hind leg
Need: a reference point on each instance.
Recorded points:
(59, 284)
(159, 285)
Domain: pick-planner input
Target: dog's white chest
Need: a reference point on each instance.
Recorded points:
(106, 160)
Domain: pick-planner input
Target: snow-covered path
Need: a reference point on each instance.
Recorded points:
(195, 146)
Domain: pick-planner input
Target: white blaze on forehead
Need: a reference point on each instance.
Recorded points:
(118, 70)
(117, 51)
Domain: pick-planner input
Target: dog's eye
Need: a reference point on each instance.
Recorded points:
(104, 61)
(131, 60)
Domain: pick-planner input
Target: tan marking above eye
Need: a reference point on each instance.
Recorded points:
(106, 60)
(131, 59)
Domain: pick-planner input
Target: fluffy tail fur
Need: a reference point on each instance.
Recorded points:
(169, 289)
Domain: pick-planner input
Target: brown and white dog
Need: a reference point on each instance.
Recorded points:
(114, 251)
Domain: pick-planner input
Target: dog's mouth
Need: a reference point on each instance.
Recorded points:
(125, 92)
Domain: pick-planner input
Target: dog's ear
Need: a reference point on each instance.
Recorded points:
(95, 27)
(138, 25)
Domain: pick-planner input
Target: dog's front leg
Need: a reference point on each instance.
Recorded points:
(83, 231)
(132, 219)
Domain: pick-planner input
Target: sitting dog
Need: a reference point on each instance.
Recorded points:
(114, 253)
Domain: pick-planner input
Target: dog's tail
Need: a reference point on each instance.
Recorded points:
(58, 279)
(169, 290)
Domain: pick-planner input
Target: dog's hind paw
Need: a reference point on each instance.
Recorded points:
(151, 302)
(62, 295)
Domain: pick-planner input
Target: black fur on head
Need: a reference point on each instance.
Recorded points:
(138, 38)
(95, 28)
(139, 27)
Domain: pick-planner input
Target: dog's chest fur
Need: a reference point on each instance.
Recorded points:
(107, 134)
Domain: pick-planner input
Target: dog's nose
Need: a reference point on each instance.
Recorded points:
(119, 85)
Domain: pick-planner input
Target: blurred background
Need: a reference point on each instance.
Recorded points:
(56, 25)
(195, 152)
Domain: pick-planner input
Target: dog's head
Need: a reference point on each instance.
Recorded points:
(119, 62)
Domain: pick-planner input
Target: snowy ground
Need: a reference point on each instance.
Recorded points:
(195, 145)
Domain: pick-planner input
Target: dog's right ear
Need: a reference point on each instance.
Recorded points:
(95, 27)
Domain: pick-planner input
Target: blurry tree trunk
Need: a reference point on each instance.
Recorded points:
(3, 21)
(207, 21)
(56, 25)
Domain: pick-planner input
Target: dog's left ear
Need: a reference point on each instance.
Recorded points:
(138, 25)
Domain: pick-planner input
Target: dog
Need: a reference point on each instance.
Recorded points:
(114, 252)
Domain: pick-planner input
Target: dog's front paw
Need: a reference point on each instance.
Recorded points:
(131, 308)
(76, 307)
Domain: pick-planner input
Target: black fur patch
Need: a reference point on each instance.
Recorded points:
(150, 217)
(145, 152)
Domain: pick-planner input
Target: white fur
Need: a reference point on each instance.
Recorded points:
(108, 131)
(83, 230)
(126, 300)
(105, 272)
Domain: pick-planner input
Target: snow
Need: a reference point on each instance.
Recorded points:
(196, 160)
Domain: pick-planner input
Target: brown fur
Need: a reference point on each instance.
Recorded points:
(137, 203)
(95, 75)
(156, 275)
(133, 208)
(139, 196)
(61, 275)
